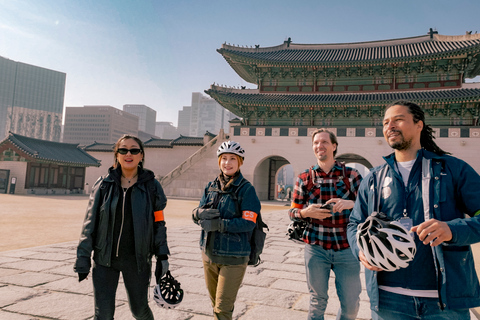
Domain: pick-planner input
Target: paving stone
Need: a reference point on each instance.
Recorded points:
(4, 260)
(29, 279)
(184, 249)
(296, 260)
(253, 280)
(69, 284)
(266, 296)
(196, 303)
(294, 268)
(56, 305)
(51, 256)
(12, 294)
(7, 272)
(15, 316)
(17, 253)
(269, 312)
(297, 286)
(193, 284)
(274, 290)
(174, 261)
(188, 256)
(272, 257)
(32, 265)
(302, 303)
(283, 275)
(66, 270)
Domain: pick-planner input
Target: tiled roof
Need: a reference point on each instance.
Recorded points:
(188, 141)
(158, 143)
(258, 99)
(50, 151)
(406, 48)
(97, 146)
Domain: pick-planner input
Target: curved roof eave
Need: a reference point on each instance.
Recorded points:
(387, 51)
(274, 100)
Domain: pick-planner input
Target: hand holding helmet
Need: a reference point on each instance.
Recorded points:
(161, 268)
(385, 244)
(168, 293)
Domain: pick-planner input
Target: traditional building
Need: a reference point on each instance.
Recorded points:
(345, 87)
(33, 166)
(350, 84)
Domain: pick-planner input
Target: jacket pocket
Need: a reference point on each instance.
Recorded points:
(234, 244)
(101, 229)
(460, 272)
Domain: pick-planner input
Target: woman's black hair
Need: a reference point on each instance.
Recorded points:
(426, 136)
(117, 146)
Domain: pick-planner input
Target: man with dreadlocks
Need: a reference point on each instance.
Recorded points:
(437, 197)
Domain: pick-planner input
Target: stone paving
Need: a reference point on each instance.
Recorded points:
(39, 282)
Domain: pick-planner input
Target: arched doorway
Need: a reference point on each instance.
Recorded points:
(265, 175)
(356, 161)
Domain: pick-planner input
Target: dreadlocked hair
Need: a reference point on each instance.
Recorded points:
(426, 136)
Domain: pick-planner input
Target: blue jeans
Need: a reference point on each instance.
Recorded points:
(394, 306)
(318, 263)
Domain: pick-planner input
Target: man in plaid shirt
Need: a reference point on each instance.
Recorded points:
(328, 182)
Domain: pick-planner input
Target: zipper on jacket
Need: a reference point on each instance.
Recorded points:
(123, 219)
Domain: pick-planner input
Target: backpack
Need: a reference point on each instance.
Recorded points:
(257, 240)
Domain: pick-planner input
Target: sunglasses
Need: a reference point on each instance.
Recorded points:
(132, 151)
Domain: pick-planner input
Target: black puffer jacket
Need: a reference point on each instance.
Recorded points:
(97, 233)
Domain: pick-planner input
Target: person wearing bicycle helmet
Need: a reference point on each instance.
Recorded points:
(227, 214)
(124, 227)
(435, 197)
(322, 198)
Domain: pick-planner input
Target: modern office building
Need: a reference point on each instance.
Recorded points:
(207, 115)
(146, 117)
(184, 117)
(31, 100)
(85, 125)
(166, 130)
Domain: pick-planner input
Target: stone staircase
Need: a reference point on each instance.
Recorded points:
(188, 180)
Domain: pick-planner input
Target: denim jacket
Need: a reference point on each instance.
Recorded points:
(235, 239)
(454, 198)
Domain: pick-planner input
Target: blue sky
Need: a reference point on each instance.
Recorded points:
(158, 52)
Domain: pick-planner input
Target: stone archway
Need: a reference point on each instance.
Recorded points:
(265, 174)
(351, 157)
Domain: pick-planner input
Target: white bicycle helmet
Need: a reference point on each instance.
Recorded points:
(168, 294)
(386, 244)
(231, 147)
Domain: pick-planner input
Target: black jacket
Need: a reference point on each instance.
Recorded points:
(150, 237)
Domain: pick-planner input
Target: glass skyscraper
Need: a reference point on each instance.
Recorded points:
(31, 100)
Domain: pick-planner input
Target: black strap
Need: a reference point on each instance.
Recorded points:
(232, 193)
(378, 182)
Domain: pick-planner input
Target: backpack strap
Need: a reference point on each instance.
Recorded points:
(232, 193)
(345, 179)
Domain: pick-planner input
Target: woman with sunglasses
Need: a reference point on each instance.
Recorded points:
(124, 227)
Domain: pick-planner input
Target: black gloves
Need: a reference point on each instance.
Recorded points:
(161, 268)
(211, 225)
(82, 276)
(204, 214)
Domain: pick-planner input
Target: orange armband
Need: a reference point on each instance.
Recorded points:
(158, 216)
(250, 216)
(296, 206)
